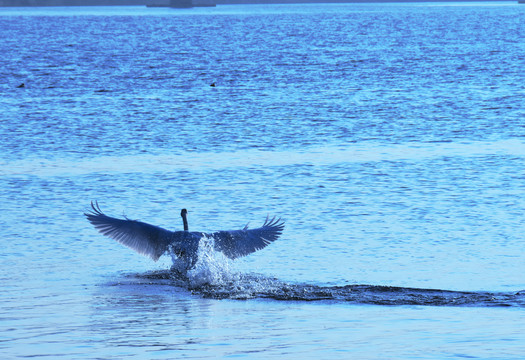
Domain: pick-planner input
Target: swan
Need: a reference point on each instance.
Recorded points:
(153, 241)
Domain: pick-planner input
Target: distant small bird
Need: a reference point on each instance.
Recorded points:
(153, 241)
(22, 85)
(212, 84)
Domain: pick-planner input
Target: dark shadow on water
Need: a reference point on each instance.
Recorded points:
(254, 286)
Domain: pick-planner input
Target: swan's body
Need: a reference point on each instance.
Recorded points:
(153, 241)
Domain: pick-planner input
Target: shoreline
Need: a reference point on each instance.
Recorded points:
(165, 3)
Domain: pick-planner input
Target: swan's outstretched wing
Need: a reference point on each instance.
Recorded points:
(144, 238)
(237, 243)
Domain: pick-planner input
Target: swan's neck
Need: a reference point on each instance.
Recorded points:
(184, 221)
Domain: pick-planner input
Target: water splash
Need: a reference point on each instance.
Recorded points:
(211, 268)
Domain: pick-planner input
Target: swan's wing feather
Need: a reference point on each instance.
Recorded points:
(144, 238)
(238, 243)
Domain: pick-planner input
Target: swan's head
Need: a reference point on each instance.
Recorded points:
(183, 212)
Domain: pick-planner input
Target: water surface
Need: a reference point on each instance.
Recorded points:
(390, 138)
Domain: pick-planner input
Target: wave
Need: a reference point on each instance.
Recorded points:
(255, 286)
(214, 277)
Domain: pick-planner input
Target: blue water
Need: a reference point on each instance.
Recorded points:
(390, 138)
